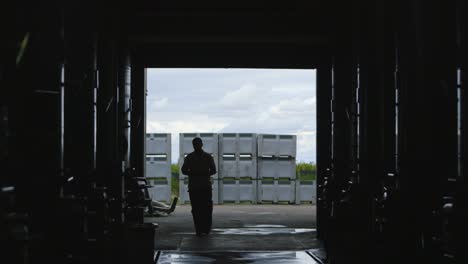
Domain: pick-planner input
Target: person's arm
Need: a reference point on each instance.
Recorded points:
(212, 167)
(186, 166)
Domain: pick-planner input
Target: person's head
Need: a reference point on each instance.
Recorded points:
(197, 143)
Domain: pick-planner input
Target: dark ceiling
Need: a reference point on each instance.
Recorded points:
(247, 34)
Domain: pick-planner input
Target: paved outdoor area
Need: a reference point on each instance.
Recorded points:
(241, 228)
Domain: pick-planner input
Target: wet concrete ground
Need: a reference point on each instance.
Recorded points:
(241, 227)
(240, 234)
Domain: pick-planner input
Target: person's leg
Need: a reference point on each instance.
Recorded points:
(210, 211)
(196, 214)
(207, 211)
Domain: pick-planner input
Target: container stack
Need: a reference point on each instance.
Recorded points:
(237, 167)
(158, 166)
(210, 145)
(276, 168)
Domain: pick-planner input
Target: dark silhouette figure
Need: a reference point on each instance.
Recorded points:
(199, 166)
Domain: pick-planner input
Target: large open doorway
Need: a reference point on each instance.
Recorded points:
(268, 210)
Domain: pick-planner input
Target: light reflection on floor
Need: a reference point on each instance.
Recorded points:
(262, 231)
(265, 226)
(257, 230)
(290, 257)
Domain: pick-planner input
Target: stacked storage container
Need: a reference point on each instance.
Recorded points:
(158, 166)
(210, 145)
(237, 167)
(276, 168)
(306, 191)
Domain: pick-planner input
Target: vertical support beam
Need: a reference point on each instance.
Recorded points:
(80, 137)
(35, 123)
(443, 75)
(461, 251)
(324, 90)
(371, 102)
(377, 104)
(429, 128)
(108, 165)
(341, 103)
(343, 83)
(10, 58)
(125, 110)
(138, 133)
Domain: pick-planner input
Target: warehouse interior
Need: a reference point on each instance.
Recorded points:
(391, 121)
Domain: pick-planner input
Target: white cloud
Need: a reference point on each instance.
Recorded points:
(310, 101)
(158, 103)
(186, 126)
(242, 98)
(293, 89)
(293, 105)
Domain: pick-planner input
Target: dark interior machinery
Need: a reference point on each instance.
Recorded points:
(391, 119)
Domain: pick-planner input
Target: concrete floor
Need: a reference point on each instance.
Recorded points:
(240, 228)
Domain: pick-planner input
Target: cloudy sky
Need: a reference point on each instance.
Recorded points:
(233, 101)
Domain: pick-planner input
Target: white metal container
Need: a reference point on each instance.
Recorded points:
(248, 190)
(247, 143)
(228, 143)
(158, 143)
(266, 191)
(238, 143)
(306, 192)
(237, 166)
(267, 167)
(286, 190)
(228, 166)
(235, 190)
(247, 166)
(283, 190)
(286, 168)
(158, 166)
(276, 145)
(229, 191)
(161, 190)
(272, 167)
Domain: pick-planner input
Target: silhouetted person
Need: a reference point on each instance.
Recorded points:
(199, 166)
